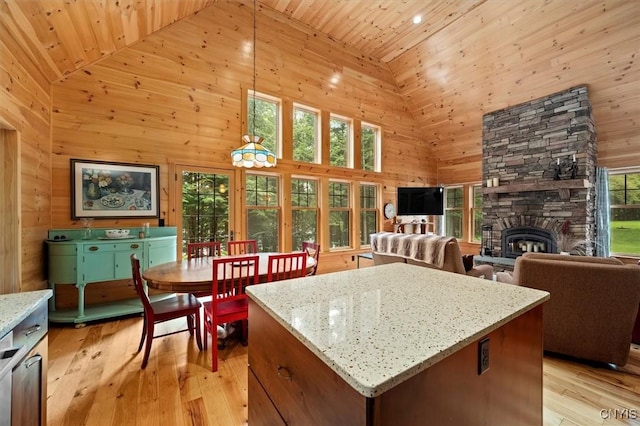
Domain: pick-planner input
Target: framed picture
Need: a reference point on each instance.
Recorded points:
(101, 189)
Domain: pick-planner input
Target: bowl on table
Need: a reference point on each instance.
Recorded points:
(116, 233)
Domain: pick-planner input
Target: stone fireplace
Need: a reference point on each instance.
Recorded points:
(525, 146)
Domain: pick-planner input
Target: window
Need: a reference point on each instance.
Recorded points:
(339, 215)
(267, 120)
(340, 142)
(263, 211)
(624, 195)
(205, 207)
(368, 212)
(370, 147)
(453, 211)
(306, 135)
(476, 213)
(304, 205)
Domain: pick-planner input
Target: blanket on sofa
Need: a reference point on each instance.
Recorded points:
(426, 248)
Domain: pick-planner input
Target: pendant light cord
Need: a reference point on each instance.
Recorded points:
(253, 124)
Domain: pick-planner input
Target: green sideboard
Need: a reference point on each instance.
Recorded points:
(74, 260)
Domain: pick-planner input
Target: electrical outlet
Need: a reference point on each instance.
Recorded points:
(483, 355)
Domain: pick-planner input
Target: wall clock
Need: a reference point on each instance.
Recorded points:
(389, 211)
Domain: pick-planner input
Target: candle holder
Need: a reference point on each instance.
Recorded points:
(565, 169)
(487, 240)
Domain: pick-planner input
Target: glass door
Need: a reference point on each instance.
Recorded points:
(206, 205)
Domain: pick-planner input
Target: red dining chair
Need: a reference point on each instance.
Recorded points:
(177, 306)
(203, 249)
(312, 250)
(285, 266)
(235, 248)
(229, 303)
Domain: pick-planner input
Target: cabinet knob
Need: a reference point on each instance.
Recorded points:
(134, 246)
(283, 373)
(93, 248)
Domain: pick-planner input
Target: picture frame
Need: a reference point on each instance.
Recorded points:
(110, 190)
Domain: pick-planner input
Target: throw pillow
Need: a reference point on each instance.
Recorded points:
(467, 261)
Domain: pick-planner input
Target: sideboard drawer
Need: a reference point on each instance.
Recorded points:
(303, 389)
(110, 247)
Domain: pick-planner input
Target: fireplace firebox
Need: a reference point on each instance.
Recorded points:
(521, 239)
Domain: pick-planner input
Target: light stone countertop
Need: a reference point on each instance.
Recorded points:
(379, 326)
(15, 307)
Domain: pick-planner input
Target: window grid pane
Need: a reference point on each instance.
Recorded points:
(263, 220)
(338, 195)
(476, 214)
(205, 207)
(304, 193)
(369, 137)
(262, 191)
(263, 226)
(304, 202)
(339, 215)
(267, 120)
(624, 196)
(368, 212)
(453, 214)
(339, 142)
(305, 135)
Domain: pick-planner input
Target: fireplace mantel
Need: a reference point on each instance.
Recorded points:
(563, 187)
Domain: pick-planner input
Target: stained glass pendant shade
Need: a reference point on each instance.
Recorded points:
(252, 154)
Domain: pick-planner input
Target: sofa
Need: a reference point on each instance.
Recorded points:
(593, 305)
(431, 251)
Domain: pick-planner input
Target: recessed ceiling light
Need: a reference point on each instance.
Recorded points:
(417, 19)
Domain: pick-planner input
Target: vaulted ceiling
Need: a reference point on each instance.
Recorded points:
(68, 35)
(466, 57)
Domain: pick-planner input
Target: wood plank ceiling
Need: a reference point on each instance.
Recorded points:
(64, 36)
(466, 57)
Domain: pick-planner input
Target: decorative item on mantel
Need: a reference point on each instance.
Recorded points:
(565, 169)
(566, 241)
(253, 153)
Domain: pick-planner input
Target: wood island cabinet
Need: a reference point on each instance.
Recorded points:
(349, 349)
(81, 262)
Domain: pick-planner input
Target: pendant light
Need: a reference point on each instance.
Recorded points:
(253, 153)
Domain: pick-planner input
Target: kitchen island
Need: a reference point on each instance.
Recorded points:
(395, 344)
(23, 358)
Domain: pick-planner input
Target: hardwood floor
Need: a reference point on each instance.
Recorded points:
(95, 379)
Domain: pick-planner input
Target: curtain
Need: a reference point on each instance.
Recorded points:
(603, 213)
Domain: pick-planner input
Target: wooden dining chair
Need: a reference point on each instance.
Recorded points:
(177, 306)
(203, 249)
(229, 303)
(235, 248)
(287, 265)
(312, 250)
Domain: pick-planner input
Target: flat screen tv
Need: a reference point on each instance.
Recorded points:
(420, 201)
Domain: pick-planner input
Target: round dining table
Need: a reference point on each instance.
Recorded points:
(196, 275)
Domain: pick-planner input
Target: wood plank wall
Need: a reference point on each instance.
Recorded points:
(175, 98)
(490, 59)
(25, 106)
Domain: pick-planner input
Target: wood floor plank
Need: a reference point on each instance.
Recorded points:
(95, 379)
